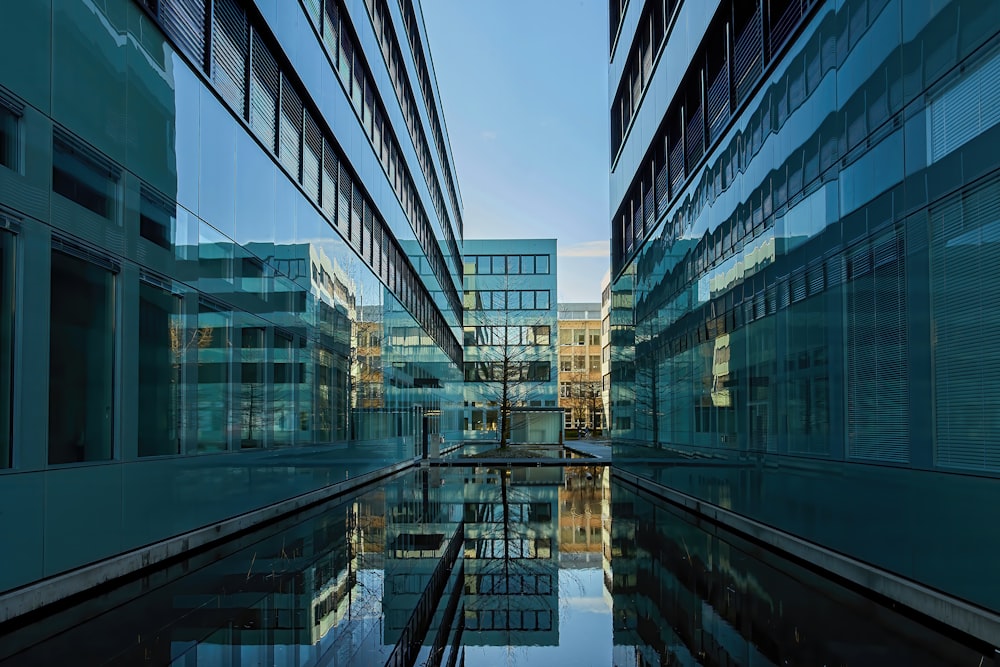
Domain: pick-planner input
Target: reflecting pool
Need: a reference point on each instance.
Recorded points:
(485, 566)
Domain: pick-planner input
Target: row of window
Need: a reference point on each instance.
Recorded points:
(389, 44)
(508, 620)
(616, 14)
(209, 378)
(515, 547)
(716, 83)
(508, 584)
(785, 182)
(585, 390)
(569, 336)
(334, 30)
(507, 299)
(427, 89)
(82, 175)
(508, 335)
(248, 78)
(500, 265)
(578, 362)
(511, 511)
(515, 371)
(652, 33)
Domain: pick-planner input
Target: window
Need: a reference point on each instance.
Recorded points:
(6, 342)
(156, 218)
(81, 394)
(528, 264)
(254, 398)
(579, 362)
(539, 371)
(513, 264)
(80, 174)
(264, 82)
(565, 390)
(162, 346)
(542, 264)
(594, 336)
(595, 363)
(565, 364)
(579, 336)
(540, 335)
(214, 355)
(542, 299)
(9, 144)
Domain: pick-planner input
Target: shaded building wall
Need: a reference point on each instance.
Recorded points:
(802, 228)
(201, 210)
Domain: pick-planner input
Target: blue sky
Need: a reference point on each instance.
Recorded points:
(524, 89)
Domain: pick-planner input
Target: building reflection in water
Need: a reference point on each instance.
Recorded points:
(450, 566)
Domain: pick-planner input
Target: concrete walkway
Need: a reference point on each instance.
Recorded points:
(598, 449)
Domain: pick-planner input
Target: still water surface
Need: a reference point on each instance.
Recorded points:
(481, 566)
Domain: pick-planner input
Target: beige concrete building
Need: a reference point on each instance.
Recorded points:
(580, 365)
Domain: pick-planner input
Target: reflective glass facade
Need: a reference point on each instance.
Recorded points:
(227, 277)
(804, 200)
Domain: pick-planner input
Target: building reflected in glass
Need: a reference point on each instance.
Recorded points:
(479, 565)
(229, 267)
(804, 205)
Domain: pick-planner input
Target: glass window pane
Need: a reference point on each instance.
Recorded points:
(254, 400)
(483, 265)
(161, 349)
(542, 264)
(528, 264)
(513, 264)
(157, 219)
(514, 300)
(214, 356)
(81, 175)
(542, 299)
(8, 138)
(80, 385)
(285, 378)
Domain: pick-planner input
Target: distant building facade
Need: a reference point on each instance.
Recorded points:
(804, 200)
(580, 364)
(510, 327)
(228, 248)
(606, 352)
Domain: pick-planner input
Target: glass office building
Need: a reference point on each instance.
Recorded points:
(805, 201)
(229, 267)
(510, 291)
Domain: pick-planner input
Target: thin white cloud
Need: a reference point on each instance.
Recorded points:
(587, 249)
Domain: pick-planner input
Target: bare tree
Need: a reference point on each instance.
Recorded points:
(581, 394)
(508, 369)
